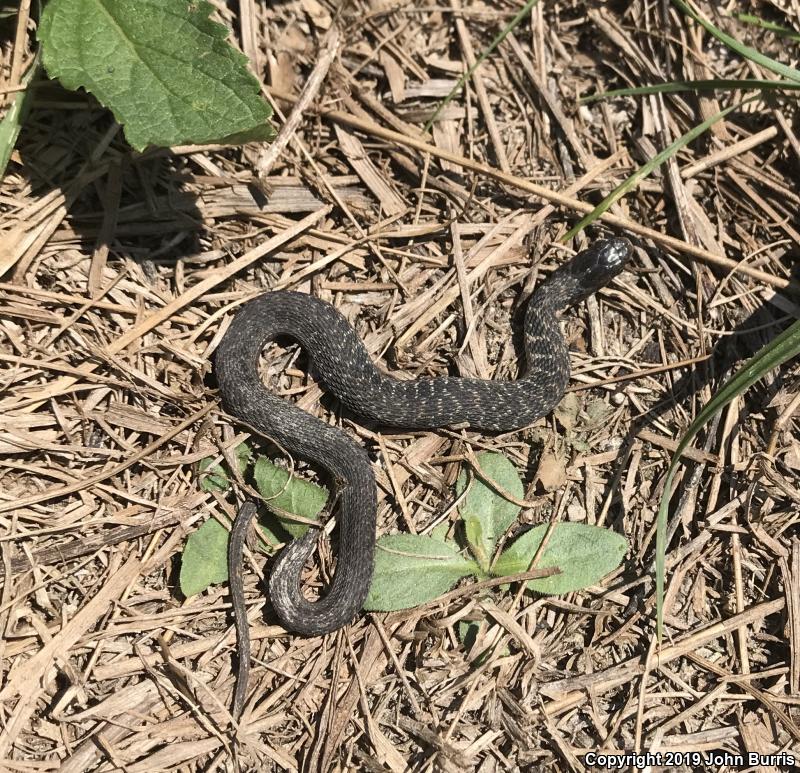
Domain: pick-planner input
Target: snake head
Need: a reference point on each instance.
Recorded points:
(593, 268)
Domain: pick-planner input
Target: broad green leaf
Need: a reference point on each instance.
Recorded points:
(272, 532)
(440, 532)
(161, 66)
(15, 116)
(293, 496)
(583, 553)
(214, 477)
(485, 512)
(411, 569)
(204, 560)
(775, 353)
(740, 48)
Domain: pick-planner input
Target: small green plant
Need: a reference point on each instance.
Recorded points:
(412, 569)
(164, 69)
(204, 561)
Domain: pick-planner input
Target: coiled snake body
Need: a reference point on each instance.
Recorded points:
(345, 367)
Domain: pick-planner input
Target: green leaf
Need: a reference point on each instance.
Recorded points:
(440, 532)
(583, 553)
(204, 560)
(288, 495)
(468, 631)
(411, 569)
(272, 532)
(485, 512)
(15, 116)
(740, 48)
(214, 477)
(162, 66)
(775, 353)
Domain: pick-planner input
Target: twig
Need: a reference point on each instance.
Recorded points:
(554, 196)
(327, 53)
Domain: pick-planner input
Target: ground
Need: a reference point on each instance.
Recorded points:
(121, 271)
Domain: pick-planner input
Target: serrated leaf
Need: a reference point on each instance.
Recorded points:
(411, 569)
(214, 477)
(204, 560)
(288, 494)
(261, 133)
(161, 66)
(583, 553)
(487, 514)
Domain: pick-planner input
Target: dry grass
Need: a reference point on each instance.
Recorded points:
(121, 271)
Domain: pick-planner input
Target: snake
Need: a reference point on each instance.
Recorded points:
(345, 367)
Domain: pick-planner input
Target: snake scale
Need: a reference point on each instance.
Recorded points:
(345, 367)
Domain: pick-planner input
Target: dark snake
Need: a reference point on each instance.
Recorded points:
(345, 367)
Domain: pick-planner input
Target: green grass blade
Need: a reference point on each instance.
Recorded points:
(674, 87)
(645, 170)
(778, 29)
(740, 48)
(782, 348)
(499, 38)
